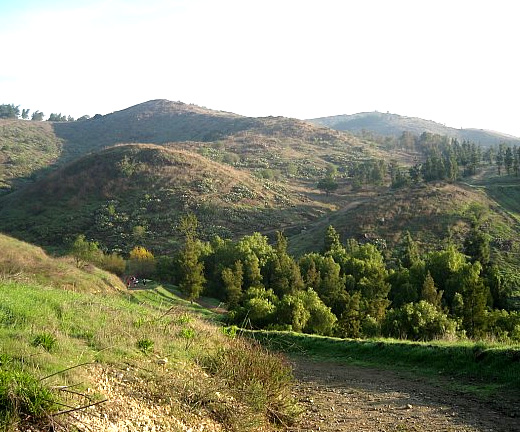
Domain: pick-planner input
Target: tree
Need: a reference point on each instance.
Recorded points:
(191, 269)
(37, 116)
(25, 114)
(321, 320)
(476, 245)
(411, 254)
(85, 251)
(233, 278)
(508, 160)
(417, 321)
(332, 242)
(9, 111)
(57, 117)
(429, 292)
(327, 184)
(141, 262)
(475, 295)
(283, 274)
(349, 323)
(329, 284)
(516, 160)
(500, 156)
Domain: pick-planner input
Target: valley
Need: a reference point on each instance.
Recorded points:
(381, 263)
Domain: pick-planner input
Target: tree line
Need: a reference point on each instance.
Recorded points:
(11, 111)
(347, 289)
(443, 159)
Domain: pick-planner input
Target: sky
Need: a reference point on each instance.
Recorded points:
(452, 61)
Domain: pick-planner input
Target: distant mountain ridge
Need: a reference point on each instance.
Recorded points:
(388, 124)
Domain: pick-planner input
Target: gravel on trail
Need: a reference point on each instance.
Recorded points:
(339, 397)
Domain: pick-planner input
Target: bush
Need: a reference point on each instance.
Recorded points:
(417, 321)
(260, 378)
(46, 340)
(145, 345)
(22, 396)
(113, 263)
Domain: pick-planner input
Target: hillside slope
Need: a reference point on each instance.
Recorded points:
(25, 263)
(130, 194)
(27, 149)
(75, 356)
(394, 125)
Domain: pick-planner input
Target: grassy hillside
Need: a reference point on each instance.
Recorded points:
(140, 359)
(158, 122)
(431, 213)
(108, 195)
(26, 148)
(395, 125)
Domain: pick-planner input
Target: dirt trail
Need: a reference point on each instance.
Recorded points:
(349, 398)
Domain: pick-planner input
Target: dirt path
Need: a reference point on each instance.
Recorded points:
(349, 398)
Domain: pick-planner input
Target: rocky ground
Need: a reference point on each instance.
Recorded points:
(334, 397)
(348, 398)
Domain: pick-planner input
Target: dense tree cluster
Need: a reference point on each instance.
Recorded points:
(446, 159)
(349, 290)
(13, 112)
(9, 111)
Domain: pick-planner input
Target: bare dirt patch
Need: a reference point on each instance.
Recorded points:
(339, 397)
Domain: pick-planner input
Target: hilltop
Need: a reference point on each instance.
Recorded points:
(388, 124)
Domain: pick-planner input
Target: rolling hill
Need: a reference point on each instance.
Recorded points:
(125, 179)
(387, 124)
(108, 194)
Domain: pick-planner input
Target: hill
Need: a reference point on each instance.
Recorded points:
(237, 174)
(25, 263)
(431, 213)
(387, 124)
(136, 193)
(27, 149)
(286, 146)
(80, 358)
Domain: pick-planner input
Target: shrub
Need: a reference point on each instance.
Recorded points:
(113, 263)
(260, 378)
(417, 321)
(22, 396)
(145, 345)
(46, 340)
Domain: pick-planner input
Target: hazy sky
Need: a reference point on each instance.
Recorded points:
(455, 62)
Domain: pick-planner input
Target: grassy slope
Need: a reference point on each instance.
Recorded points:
(26, 147)
(106, 195)
(113, 340)
(28, 264)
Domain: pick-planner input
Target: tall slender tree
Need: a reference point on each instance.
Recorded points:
(191, 269)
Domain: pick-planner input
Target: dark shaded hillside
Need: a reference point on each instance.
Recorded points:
(135, 194)
(157, 122)
(387, 124)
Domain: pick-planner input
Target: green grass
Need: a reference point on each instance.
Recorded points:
(485, 369)
(52, 338)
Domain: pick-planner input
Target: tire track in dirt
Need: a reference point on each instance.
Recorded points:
(338, 397)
